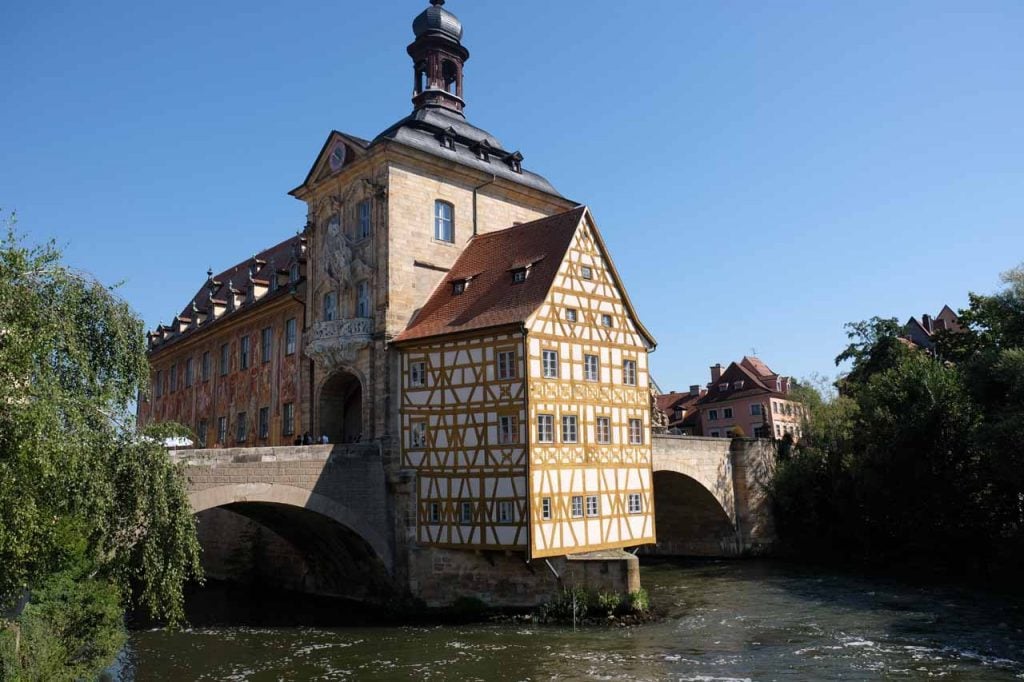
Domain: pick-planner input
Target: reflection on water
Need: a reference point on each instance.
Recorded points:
(723, 621)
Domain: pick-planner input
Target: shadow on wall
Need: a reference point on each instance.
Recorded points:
(689, 520)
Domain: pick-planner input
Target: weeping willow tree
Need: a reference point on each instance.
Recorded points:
(95, 518)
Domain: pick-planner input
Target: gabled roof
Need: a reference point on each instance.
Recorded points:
(358, 144)
(752, 385)
(490, 298)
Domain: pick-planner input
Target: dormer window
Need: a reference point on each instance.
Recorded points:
(724, 386)
(519, 275)
(273, 282)
(737, 385)
(293, 273)
(448, 138)
(515, 162)
(459, 286)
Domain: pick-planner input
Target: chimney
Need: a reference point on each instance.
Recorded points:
(785, 384)
(695, 389)
(716, 372)
(926, 322)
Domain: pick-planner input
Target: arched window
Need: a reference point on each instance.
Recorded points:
(330, 306)
(421, 77)
(444, 221)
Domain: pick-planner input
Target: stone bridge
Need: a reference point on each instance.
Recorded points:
(709, 496)
(327, 519)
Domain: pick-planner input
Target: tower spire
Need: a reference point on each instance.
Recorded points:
(438, 58)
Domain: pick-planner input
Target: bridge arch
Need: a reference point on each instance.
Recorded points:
(340, 407)
(690, 519)
(239, 495)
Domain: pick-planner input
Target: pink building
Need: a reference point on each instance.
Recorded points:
(748, 399)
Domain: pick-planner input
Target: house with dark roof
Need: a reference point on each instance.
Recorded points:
(449, 314)
(922, 331)
(749, 399)
(680, 410)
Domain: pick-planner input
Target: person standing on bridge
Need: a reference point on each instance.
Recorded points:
(324, 440)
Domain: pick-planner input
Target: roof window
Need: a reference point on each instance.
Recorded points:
(724, 386)
(459, 286)
(519, 275)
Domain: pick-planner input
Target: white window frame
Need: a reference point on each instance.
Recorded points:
(508, 429)
(507, 368)
(577, 506)
(635, 503)
(572, 315)
(629, 372)
(587, 272)
(418, 435)
(545, 508)
(593, 506)
(466, 512)
(726, 413)
(444, 223)
(604, 430)
(570, 428)
(417, 374)
(545, 427)
(592, 367)
(606, 320)
(549, 362)
(636, 431)
(506, 511)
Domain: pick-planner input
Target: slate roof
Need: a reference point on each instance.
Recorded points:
(491, 299)
(425, 128)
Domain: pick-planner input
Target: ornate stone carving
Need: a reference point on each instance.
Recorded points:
(338, 342)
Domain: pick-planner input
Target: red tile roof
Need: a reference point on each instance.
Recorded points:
(490, 298)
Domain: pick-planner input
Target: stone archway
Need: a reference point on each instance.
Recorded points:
(690, 519)
(340, 408)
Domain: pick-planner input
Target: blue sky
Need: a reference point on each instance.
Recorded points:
(762, 172)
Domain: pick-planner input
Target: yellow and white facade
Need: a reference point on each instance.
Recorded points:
(533, 435)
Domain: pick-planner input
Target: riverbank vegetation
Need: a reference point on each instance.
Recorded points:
(914, 459)
(95, 515)
(579, 606)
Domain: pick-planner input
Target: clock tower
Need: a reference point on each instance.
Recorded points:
(438, 57)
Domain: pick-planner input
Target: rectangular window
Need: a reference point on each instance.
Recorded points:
(569, 428)
(458, 287)
(363, 299)
(550, 360)
(225, 359)
(519, 275)
(546, 428)
(444, 221)
(290, 336)
(592, 508)
(201, 433)
(545, 508)
(243, 353)
(418, 432)
(775, 407)
(417, 374)
(716, 434)
(606, 320)
(760, 432)
(727, 413)
(505, 511)
(604, 430)
(629, 372)
(508, 429)
(587, 272)
(506, 364)
(577, 506)
(206, 365)
(435, 512)
(466, 515)
(264, 422)
(712, 415)
(294, 272)
(636, 431)
(188, 372)
(158, 385)
(174, 377)
(635, 503)
(571, 315)
(364, 219)
(778, 430)
(241, 428)
(755, 410)
(222, 431)
(267, 344)
(330, 306)
(288, 419)
(591, 368)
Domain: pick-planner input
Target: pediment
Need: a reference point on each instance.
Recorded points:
(339, 151)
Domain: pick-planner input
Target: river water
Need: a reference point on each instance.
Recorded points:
(744, 620)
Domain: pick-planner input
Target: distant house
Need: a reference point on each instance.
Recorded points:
(749, 399)
(921, 332)
(680, 409)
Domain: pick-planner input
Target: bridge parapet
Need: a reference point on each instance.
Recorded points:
(284, 453)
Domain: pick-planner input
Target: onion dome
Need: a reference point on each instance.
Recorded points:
(436, 20)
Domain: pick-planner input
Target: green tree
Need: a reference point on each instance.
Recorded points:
(95, 513)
